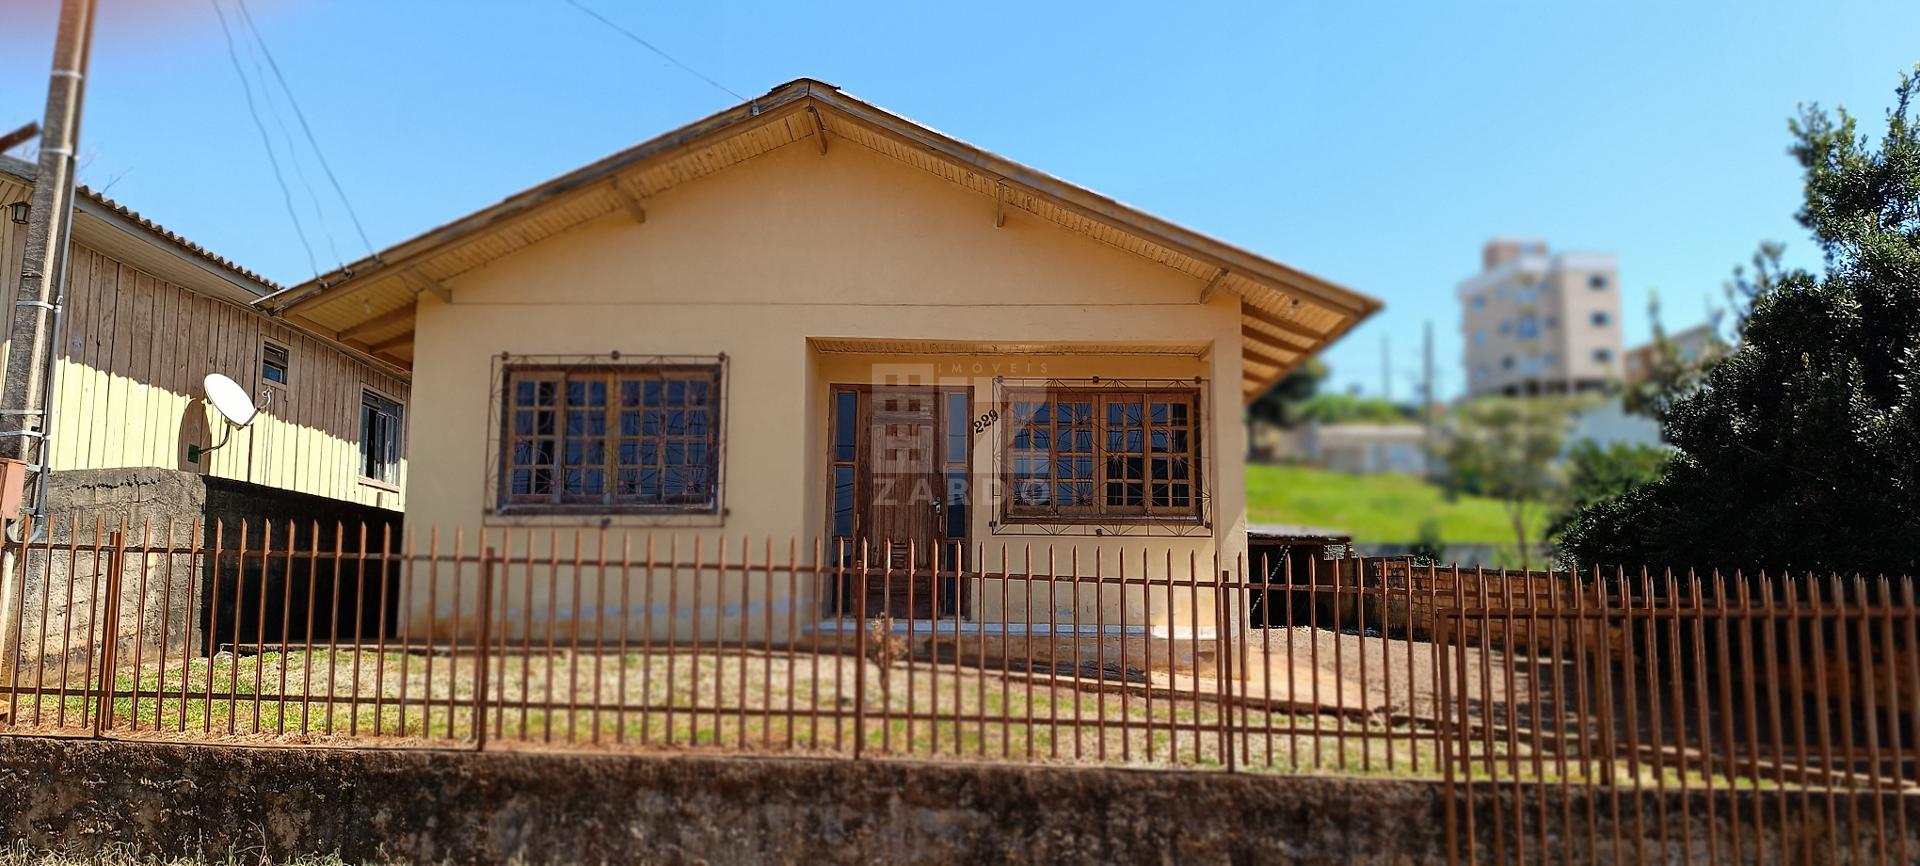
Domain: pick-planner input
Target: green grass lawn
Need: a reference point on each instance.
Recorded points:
(1375, 508)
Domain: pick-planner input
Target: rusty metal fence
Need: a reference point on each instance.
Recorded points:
(1559, 716)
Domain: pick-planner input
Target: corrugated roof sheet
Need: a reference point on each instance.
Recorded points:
(26, 171)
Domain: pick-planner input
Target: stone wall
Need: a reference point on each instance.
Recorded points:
(444, 806)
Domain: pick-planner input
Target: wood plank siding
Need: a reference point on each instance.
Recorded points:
(132, 353)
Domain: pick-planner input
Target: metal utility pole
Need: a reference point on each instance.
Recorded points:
(23, 402)
(1386, 367)
(26, 395)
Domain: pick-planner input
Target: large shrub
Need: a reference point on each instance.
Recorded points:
(1801, 450)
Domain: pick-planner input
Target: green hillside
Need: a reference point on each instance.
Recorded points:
(1375, 508)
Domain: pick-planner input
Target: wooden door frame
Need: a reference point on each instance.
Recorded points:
(863, 444)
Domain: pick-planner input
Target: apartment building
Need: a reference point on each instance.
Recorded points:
(1540, 322)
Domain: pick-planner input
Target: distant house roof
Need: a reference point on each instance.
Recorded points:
(1296, 533)
(1287, 314)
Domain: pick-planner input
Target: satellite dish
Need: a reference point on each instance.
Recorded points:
(229, 399)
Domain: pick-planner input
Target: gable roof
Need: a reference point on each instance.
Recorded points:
(1286, 314)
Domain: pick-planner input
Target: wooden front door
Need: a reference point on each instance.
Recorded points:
(899, 491)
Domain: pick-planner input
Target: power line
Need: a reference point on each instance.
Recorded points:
(655, 49)
(254, 50)
(265, 139)
(247, 17)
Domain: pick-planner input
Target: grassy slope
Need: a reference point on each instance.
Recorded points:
(1375, 508)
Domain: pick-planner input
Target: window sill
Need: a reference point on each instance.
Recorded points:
(1099, 520)
(379, 485)
(631, 519)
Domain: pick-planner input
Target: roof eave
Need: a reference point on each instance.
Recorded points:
(802, 93)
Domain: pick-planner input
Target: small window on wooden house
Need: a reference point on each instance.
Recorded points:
(379, 438)
(273, 364)
(612, 438)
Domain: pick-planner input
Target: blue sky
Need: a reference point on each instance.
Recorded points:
(1376, 144)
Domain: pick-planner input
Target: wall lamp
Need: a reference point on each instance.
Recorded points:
(19, 210)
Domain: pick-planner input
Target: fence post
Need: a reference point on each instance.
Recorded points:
(860, 657)
(481, 643)
(1442, 635)
(109, 636)
(1223, 670)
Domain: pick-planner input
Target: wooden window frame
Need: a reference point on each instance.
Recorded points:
(1100, 511)
(398, 436)
(285, 365)
(615, 374)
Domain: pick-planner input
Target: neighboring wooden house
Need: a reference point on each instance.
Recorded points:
(148, 314)
(808, 317)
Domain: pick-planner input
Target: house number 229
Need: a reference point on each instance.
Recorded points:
(981, 423)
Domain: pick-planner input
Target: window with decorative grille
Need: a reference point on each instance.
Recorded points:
(611, 438)
(1095, 455)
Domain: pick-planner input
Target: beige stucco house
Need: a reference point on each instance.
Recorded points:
(808, 318)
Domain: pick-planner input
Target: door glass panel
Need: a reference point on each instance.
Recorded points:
(956, 504)
(846, 427)
(842, 501)
(958, 425)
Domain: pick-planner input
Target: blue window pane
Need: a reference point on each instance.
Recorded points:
(843, 501)
(845, 409)
(958, 428)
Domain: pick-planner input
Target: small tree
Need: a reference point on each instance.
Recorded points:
(1508, 447)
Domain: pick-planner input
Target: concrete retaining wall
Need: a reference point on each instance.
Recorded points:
(79, 796)
(93, 504)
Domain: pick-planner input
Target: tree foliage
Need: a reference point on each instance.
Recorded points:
(1280, 404)
(1675, 373)
(1596, 473)
(1801, 449)
(1353, 409)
